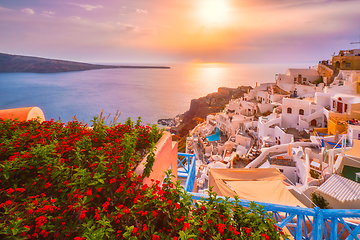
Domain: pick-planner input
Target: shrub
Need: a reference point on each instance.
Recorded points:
(314, 174)
(73, 182)
(319, 201)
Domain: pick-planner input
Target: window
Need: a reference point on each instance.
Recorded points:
(334, 104)
(348, 65)
(289, 110)
(301, 111)
(345, 107)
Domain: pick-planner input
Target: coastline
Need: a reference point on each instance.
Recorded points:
(17, 63)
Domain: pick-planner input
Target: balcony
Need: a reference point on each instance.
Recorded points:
(302, 223)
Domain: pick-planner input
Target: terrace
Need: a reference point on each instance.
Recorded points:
(302, 223)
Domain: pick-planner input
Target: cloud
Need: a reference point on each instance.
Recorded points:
(74, 18)
(28, 11)
(86, 6)
(5, 9)
(47, 13)
(128, 27)
(141, 11)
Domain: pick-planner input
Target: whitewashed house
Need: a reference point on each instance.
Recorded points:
(299, 82)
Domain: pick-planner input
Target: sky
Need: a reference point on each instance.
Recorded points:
(169, 31)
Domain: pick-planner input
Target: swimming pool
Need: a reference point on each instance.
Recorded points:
(215, 136)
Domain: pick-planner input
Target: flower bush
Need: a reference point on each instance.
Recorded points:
(74, 182)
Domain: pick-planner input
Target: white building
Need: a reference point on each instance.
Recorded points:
(299, 81)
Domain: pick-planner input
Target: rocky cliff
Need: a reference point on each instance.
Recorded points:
(211, 103)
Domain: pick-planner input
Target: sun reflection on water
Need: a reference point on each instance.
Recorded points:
(208, 76)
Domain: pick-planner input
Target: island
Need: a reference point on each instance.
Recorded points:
(10, 63)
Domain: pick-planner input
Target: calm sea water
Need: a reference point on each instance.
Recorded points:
(148, 93)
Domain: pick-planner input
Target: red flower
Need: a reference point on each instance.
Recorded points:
(40, 221)
(20, 189)
(97, 216)
(221, 228)
(186, 226)
(155, 237)
(265, 236)
(82, 214)
(88, 192)
(10, 191)
(8, 202)
(169, 202)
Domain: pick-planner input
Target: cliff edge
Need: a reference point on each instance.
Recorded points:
(211, 103)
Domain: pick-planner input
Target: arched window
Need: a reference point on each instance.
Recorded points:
(301, 111)
(289, 110)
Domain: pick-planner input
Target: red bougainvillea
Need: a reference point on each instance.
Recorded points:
(75, 182)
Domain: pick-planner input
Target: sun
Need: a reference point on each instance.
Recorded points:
(214, 11)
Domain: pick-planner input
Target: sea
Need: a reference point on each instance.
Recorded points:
(147, 93)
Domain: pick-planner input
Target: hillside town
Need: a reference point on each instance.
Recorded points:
(299, 135)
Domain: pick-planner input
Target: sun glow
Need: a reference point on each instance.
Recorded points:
(214, 11)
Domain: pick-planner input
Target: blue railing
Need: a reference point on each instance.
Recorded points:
(302, 223)
(189, 170)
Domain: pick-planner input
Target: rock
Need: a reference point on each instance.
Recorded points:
(211, 103)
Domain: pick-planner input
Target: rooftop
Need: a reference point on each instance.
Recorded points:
(340, 188)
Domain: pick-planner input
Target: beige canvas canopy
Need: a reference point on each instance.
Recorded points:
(261, 185)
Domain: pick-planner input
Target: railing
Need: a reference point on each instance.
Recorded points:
(189, 170)
(302, 223)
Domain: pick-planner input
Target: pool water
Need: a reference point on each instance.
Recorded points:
(215, 136)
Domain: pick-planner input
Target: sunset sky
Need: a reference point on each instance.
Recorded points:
(161, 31)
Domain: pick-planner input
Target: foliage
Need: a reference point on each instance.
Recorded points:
(319, 201)
(75, 182)
(314, 174)
(236, 159)
(267, 113)
(221, 218)
(319, 80)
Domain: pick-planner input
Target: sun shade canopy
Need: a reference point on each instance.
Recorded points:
(261, 185)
